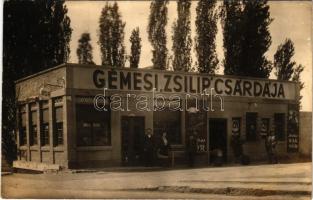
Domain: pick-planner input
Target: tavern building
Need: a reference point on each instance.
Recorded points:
(76, 116)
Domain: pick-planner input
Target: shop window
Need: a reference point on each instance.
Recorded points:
(170, 122)
(44, 136)
(22, 126)
(251, 126)
(58, 126)
(93, 126)
(33, 128)
(279, 124)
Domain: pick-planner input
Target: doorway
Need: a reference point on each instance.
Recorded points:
(217, 138)
(133, 130)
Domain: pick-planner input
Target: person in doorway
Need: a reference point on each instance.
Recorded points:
(236, 145)
(148, 148)
(270, 145)
(192, 148)
(163, 150)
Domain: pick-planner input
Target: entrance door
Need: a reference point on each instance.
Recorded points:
(132, 140)
(217, 138)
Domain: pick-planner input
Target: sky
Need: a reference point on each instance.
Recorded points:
(292, 19)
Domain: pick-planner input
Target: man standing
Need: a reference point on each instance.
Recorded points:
(148, 148)
(163, 150)
(235, 142)
(192, 148)
(270, 144)
(236, 145)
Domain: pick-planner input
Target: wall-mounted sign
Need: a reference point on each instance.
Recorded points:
(146, 81)
(236, 126)
(293, 128)
(196, 122)
(264, 130)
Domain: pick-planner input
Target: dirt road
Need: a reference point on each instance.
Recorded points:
(282, 181)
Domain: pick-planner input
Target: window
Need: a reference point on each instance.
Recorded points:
(279, 125)
(251, 126)
(58, 126)
(33, 128)
(22, 126)
(45, 127)
(93, 126)
(170, 122)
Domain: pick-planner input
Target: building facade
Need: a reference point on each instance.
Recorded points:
(93, 116)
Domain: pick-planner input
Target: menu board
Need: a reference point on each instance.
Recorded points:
(236, 126)
(293, 128)
(264, 127)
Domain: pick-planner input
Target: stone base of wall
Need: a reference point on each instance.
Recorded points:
(35, 166)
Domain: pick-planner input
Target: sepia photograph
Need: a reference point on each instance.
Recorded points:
(156, 99)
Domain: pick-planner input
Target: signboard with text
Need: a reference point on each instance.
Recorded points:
(172, 82)
(195, 122)
(293, 128)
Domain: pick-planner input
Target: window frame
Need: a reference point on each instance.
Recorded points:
(58, 136)
(44, 133)
(158, 130)
(22, 128)
(91, 133)
(33, 127)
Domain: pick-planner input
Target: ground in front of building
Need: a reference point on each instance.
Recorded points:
(281, 181)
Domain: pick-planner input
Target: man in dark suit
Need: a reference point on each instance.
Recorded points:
(148, 148)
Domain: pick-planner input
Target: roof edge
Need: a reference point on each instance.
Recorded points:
(40, 73)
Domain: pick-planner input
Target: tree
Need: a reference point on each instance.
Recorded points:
(182, 37)
(282, 60)
(256, 39)
(135, 41)
(111, 36)
(232, 24)
(246, 37)
(286, 69)
(157, 33)
(206, 29)
(297, 78)
(36, 36)
(84, 50)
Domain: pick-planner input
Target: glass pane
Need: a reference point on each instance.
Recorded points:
(23, 118)
(59, 133)
(45, 135)
(93, 126)
(23, 138)
(33, 117)
(45, 115)
(59, 114)
(34, 134)
(169, 122)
